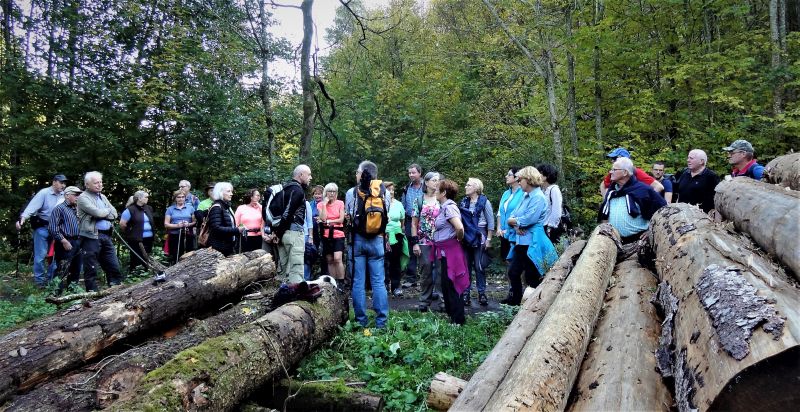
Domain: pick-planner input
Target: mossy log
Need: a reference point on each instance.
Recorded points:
(542, 375)
(114, 379)
(731, 336)
(333, 396)
(619, 370)
(768, 213)
(493, 370)
(784, 170)
(444, 390)
(222, 372)
(58, 344)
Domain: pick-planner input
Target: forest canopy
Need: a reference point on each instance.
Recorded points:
(150, 92)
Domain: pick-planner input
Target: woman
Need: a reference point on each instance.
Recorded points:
(248, 216)
(223, 232)
(555, 201)
(426, 209)
(331, 219)
(447, 252)
(476, 212)
(396, 244)
(508, 202)
(179, 221)
(317, 194)
(137, 228)
(532, 252)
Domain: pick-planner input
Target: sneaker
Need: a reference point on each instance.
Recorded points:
(483, 300)
(398, 292)
(467, 299)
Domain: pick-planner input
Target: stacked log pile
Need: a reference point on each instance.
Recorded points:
(713, 322)
(186, 340)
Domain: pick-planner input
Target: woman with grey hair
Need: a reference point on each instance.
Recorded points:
(136, 223)
(223, 233)
(426, 209)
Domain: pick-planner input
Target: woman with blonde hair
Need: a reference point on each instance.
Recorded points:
(532, 252)
(331, 220)
(478, 218)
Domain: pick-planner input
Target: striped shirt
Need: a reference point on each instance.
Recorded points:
(63, 222)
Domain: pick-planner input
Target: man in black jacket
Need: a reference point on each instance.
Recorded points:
(291, 247)
(629, 204)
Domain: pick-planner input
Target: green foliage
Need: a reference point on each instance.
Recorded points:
(400, 361)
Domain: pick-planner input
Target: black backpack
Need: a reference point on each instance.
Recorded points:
(472, 232)
(566, 217)
(273, 204)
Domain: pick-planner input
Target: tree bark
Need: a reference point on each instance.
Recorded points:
(222, 372)
(115, 378)
(768, 213)
(776, 22)
(309, 107)
(571, 99)
(784, 170)
(545, 370)
(735, 329)
(487, 378)
(444, 390)
(619, 373)
(318, 396)
(60, 343)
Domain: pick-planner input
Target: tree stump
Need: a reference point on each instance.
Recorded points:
(55, 345)
(784, 171)
(493, 370)
(444, 390)
(769, 214)
(543, 374)
(735, 317)
(619, 373)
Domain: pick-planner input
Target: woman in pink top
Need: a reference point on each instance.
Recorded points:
(331, 219)
(248, 216)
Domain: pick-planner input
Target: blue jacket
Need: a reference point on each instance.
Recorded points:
(531, 214)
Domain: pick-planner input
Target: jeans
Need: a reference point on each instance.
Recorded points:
(475, 260)
(180, 243)
(411, 269)
(41, 245)
(68, 262)
(369, 252)
(100, 252)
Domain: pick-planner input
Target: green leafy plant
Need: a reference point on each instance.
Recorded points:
(400, 361)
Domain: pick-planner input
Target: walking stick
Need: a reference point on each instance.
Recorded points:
(178, 252)
(19, 244)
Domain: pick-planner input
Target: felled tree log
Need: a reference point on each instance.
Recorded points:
(619, 373)
(545, 370)
(222, 372)
(784, 170)
(769, 214)
(57, 300)
(444, 390)
(735, 317)
(493, 370)
(55, 345)
(114, 379)
(312, 396)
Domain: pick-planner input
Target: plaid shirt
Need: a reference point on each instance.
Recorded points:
(63, 222)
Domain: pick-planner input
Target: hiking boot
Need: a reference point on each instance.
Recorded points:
(466, 298)
(482, 299)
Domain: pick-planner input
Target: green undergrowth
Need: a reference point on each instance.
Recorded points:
(399, 362)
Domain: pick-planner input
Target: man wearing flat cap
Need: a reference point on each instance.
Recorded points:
(741, 158)
(64, 231)
(38, 213)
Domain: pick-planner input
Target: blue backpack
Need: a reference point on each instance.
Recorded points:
(472, 233)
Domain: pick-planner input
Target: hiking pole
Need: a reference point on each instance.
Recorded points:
(178, 252)
(159, 272)
(19, 244)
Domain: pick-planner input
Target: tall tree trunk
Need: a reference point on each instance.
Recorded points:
(552, 108)
(266, 103)
(775, 23)
(309, 108)
(597, 15)
(8, 30)
(571, 101)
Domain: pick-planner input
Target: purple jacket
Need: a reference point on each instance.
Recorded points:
(456, 262)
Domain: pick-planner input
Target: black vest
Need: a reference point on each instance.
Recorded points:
(135, 228)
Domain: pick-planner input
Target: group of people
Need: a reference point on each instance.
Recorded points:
(430, 235)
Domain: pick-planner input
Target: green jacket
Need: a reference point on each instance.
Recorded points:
(89, 214)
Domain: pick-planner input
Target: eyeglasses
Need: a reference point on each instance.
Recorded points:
(509, 174)
(732, 152)
(614, 170)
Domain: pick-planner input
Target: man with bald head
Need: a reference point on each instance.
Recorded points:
(291, 240)
(697, 182)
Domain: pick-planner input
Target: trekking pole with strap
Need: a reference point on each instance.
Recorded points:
(178, 252)
(159, 275)
(16, 258)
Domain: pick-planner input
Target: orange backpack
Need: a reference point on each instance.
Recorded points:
(371, 215)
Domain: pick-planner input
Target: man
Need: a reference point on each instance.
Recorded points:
(640, 174)
(629, 204)
(741, 157)
(95, 217)
(697, 182)
(368, 252)
(290, 232)
(658, 174)
(64, 231)
(414, 191)
(38, 212)
(206, 203)
(186, 187)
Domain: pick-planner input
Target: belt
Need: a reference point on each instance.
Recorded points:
(105, 232)
(71, 237)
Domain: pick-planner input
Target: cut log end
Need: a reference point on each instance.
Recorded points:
(444, 390)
